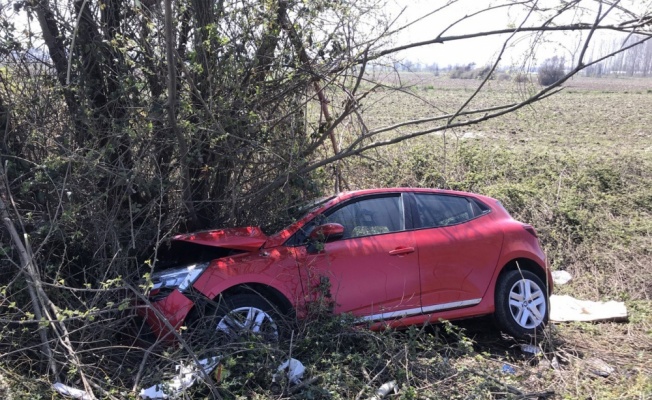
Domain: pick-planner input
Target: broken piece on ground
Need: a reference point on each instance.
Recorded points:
(568, 309)
(561, 277)
(71, 391)
(186, 376)
(294, 369)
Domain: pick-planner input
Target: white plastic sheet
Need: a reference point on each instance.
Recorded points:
(567, 308)
(294, 368)
(186, 377)
(71, 391)
(561, 277)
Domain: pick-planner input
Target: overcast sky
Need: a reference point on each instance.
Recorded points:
(481, 50)
(478, 50)
(484, 50)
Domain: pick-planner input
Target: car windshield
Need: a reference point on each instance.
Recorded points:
(293, 214)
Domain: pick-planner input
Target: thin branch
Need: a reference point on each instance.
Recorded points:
(562, 28)
(493, 67)
(72, 42)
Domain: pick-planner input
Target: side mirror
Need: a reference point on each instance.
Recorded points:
(327, 232)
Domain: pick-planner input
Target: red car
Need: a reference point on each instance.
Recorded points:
(394, 257)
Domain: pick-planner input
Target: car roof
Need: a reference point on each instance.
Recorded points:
(355, 193)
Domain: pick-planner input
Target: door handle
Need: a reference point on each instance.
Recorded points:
(401, 250)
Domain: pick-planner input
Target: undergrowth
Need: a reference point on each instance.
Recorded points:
(347, 361)
(589, 211)
(592, 208)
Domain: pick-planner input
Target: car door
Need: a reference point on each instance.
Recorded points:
(373, 269)
(458, 250)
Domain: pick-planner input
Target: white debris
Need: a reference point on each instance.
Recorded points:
(599, 367)
(384, 390)
(567, 308)
(561, 277)
(186, 377)
(473, 135)
(71, 391)
(528, 348)
(294, 370)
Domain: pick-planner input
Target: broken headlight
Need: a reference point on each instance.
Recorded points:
(164, 282)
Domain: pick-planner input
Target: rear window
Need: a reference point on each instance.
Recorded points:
(435, 210)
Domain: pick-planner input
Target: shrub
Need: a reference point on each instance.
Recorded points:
(503, 77)
(469, 72)
(551, 70)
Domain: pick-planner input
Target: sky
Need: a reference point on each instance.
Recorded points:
(478, 50)
(485, 49)
(481, 51)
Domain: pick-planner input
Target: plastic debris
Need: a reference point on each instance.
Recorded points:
(561, 277)
(508, 369)
(599, 367)
(567, 308)
(294, 370)
(71, 391)
(186, 377)
(528, 348)
(384, 389)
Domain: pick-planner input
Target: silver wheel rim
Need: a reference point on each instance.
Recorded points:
(248, 320)
(527, 302)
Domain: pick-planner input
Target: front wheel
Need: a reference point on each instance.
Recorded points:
(522, 306)
(235, 317)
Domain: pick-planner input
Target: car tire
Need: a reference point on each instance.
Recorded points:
(522, 306)
(232, 318)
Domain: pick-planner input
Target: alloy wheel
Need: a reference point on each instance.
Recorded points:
(245, 320)
(527, 303)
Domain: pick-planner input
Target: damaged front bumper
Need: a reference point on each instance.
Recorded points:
(166, 315)
(168, 303)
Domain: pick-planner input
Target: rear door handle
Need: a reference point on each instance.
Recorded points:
(401, 250)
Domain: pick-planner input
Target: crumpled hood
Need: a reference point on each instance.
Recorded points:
(250, 238)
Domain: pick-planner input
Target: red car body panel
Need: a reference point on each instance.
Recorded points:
(247, 239)
(457, 262)
(276, 268)
(365, 277)
(485, 307)
(175, 307)
(400, 278)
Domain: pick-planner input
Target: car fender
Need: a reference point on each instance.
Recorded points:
(507, 258)
(274, 270)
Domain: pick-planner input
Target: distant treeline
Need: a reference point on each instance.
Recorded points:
(636, 61)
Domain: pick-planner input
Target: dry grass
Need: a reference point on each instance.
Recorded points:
(579, 167)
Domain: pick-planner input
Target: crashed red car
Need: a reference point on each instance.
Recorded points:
(394, 257)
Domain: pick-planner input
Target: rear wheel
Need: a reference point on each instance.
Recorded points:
(522, 306)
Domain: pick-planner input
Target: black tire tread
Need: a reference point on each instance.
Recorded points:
(502, 313)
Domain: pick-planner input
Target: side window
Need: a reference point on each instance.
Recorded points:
(370, 216)
(441, 210)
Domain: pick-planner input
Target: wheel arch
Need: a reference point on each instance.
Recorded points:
(267, 292)
(275, 296)
(527, 264)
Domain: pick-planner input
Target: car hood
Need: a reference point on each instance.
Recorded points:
(250, 238)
